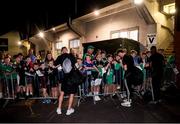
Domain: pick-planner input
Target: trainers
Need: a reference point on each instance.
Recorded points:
(70, 111)
(97, 98)
(58, 111)
(126, 100)
(118, 87)
(126, 104)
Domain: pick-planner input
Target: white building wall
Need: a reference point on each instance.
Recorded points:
(100, 29)
(13, 39)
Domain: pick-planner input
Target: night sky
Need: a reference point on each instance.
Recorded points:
(27, 16)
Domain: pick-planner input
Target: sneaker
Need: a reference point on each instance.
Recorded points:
(126, 100)
(27, 94)
(43, 101)
(126, 104)
(48, 101)
(90, 94)
(58, 111)
(118, 87)
(98, 98)
(70, 111)
(95, 98)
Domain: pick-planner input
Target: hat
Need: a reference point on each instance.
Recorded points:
(90, 47)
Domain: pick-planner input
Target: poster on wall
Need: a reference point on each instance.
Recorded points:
(151, 39)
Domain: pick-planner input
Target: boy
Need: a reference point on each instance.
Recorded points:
(109, 86)
(89, 67)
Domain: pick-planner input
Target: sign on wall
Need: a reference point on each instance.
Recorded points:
(151, 39)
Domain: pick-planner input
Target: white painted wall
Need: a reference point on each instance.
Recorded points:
(100, 29)
(13, 38)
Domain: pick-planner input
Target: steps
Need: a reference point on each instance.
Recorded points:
(169, 50)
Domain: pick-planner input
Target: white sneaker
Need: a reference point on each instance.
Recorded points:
(95, 98)
(58, 111)
(126, 100)
(118, 87)
(126, 104)
(70, 111)
(98, 98)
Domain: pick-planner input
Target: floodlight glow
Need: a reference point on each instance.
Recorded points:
(19, 42)
(53, 29)
(41, 34)
(138, 2)
(96, 12)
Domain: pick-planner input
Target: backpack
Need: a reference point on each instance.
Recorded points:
(137, 76)
(67, 66)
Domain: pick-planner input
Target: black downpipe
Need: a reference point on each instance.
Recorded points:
(69, 24)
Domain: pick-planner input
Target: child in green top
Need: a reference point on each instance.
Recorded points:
(109, 86)
(117, 72)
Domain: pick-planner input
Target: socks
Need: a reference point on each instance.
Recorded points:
(27, 94)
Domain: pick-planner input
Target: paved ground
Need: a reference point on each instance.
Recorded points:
(104, 111)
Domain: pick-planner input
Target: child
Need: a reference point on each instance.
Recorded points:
(42, 78)
(89, 67)
(7, 69)
(79, 65)
(99, 64)
(109, 86)
(52, 78)
(105, 62)
(117, 72)
(36, 81)
(17, 66)
(29, 72)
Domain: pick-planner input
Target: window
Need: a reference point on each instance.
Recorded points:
(131, 33)
(59, 45)
(169, 8)
(124, 34)
(74, 43)
(115, 35)
(3, 44)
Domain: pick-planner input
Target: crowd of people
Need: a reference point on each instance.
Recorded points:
(103, 74)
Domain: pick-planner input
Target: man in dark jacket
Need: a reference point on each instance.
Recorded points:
(157, 64)
(128, 65)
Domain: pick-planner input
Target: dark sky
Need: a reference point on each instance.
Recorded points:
(28, 15)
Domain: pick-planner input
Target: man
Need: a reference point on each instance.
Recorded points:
(67, 87)
(128, 65)
(156, 64)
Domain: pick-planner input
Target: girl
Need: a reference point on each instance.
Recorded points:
(29, 72)
(52, 78)
(90, 70)
(99, 64)
(43, 79)
(109, 86)
(117, 72)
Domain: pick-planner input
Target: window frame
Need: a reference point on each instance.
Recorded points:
(74, 40)
(128, 30)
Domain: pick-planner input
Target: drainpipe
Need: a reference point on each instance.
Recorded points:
(70, 26)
